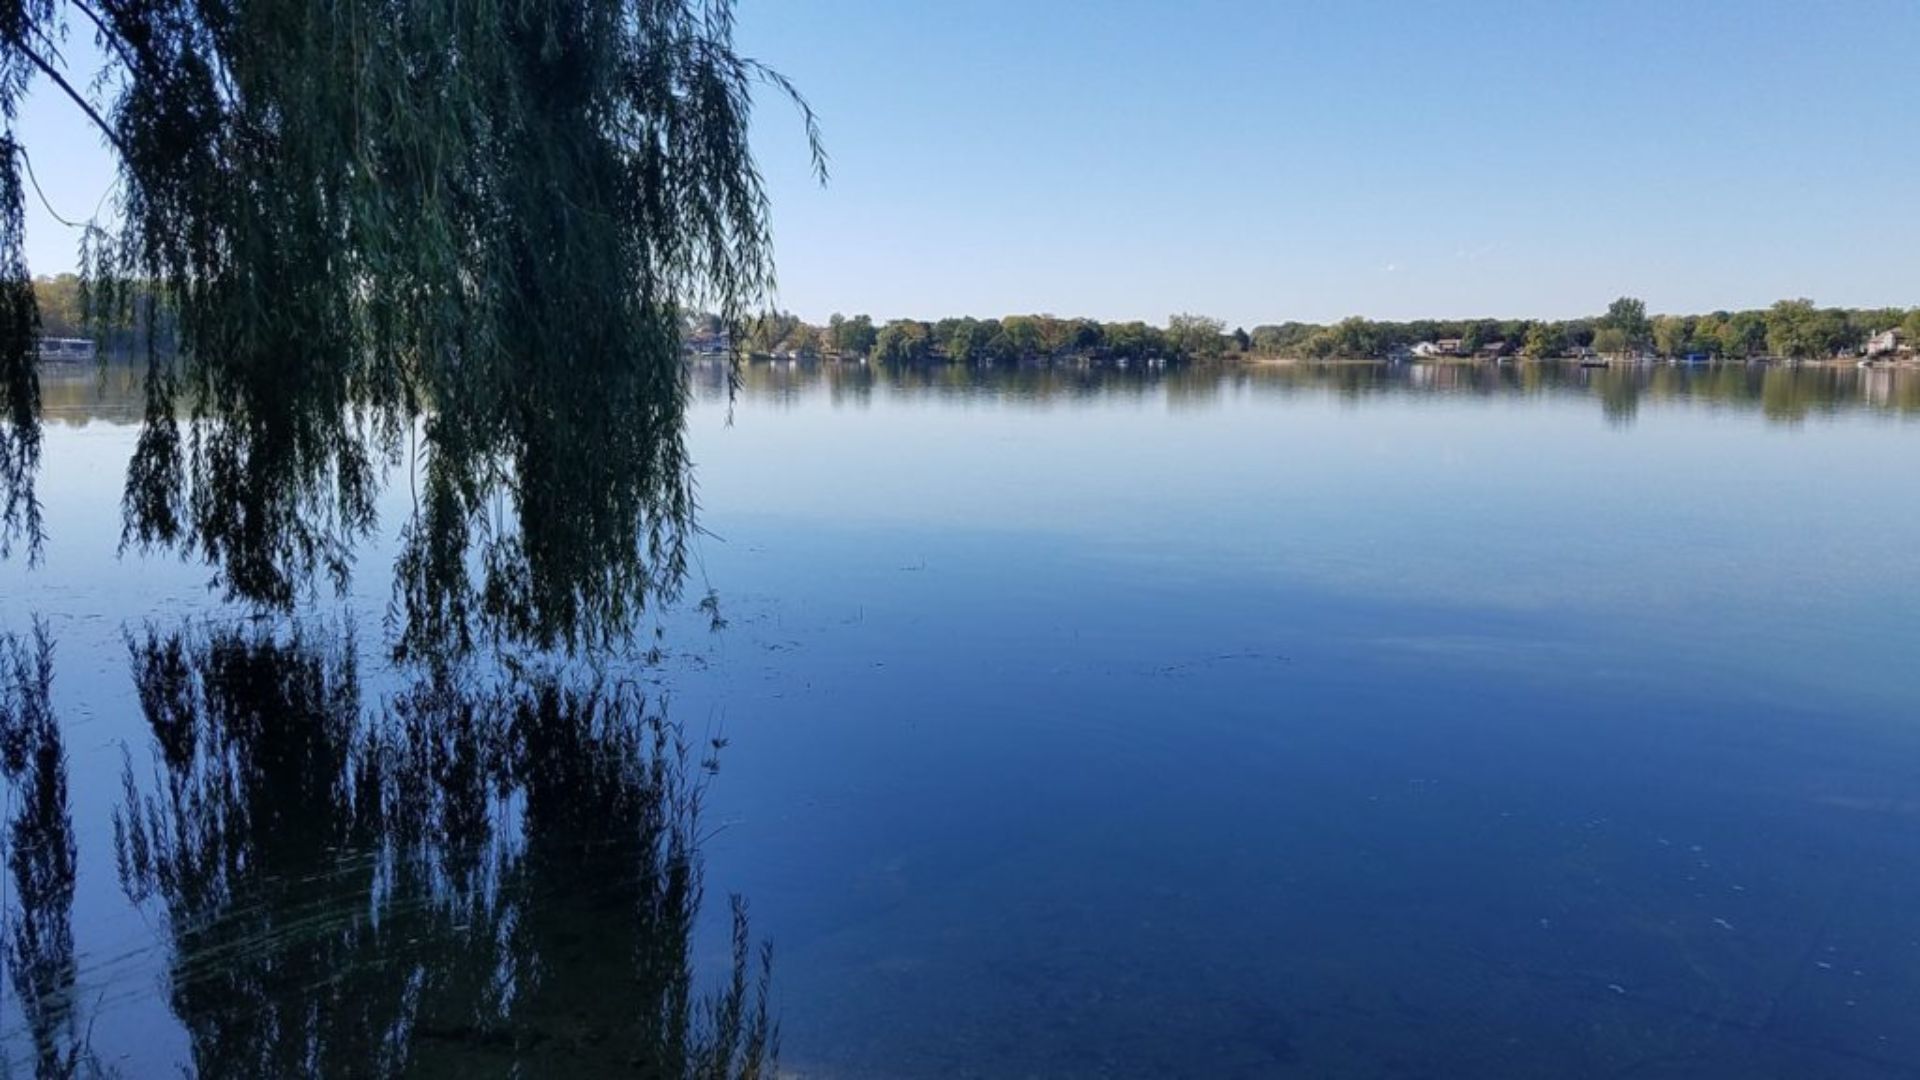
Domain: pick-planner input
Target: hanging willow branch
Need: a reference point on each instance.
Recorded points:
(348, 223)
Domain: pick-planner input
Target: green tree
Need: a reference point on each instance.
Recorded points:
(1353, 338)
(475, 225)
(1023, 337)
(1796, 329)
(851, 337)
(1627, 319)
(960, 339)
(1708, 332)
(1196, 336)
(1284, 339)
(1135, 341)
(1910, 328)
(1086, 336)
(1544, 340)
(1610, 341)
(1477, 333)
(903, 341)
(62, 313)
(1672, 335)
(1744, 335)
(775, 332)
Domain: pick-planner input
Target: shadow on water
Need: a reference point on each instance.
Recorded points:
(471, 878)
(40, 861)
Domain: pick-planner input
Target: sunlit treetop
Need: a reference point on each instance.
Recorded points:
(445, 243)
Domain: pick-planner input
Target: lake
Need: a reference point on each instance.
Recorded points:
(1334, 721)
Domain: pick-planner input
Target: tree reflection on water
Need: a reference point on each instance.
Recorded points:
(40, 857)
(475, 876)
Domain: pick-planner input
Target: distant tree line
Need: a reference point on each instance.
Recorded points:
(1795, 329)
(1010, 340)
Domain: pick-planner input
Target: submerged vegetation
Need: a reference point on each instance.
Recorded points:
(406, 235)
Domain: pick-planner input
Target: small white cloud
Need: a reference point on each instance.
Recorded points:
(1391, 267)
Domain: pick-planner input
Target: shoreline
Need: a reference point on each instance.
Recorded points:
(1838, 363)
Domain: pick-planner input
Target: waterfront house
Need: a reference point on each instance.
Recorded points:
(1885, 343)
(720, 344)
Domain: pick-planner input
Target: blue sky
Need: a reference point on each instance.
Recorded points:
(1272, 161)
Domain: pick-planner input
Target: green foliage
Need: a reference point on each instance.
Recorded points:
(1672, 335)
(1136, 341)
(1625, 326)
(903, 341)
(1353, 337)
(62, 311)
(1284, 339)
(1798, 330)
(779, 332)
(1196, 336)
(1013, 340)
(1791, 328)
(19, 326)
(1543, 340)
(432, 234)
(962, 340)
(851, 337)
(1744, 334)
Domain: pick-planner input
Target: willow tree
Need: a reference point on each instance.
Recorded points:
(446, 243)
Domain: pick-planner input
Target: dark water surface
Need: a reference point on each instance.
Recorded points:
(1329, 721)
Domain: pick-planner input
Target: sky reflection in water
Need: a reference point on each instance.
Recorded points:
(1356, 721)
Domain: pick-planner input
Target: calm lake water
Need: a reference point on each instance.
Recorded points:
(1323, 721)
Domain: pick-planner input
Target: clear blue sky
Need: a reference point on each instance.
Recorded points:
(1264, 161)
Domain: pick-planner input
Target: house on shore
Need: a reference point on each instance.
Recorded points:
(720, 344)
(1887, 343)
(1431, 349)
